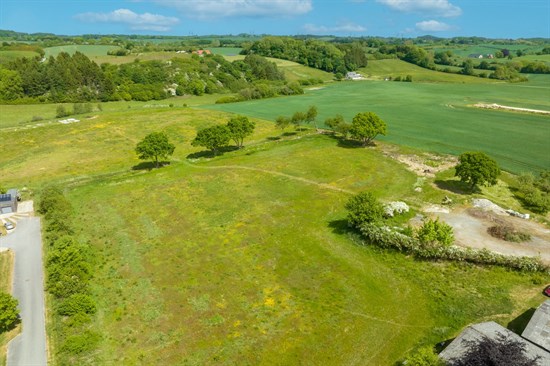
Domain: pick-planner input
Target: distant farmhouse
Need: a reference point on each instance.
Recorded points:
(479, 55)
(8, 202)
(202, 52)
(535, 338)
(352, 75)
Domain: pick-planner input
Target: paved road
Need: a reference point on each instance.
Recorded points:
(29, 348)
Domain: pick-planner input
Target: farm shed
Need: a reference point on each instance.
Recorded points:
(8, 202)
(538, 329)
(477, 332)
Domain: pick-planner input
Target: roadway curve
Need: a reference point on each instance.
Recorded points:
(28, 348)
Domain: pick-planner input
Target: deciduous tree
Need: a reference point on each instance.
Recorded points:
(213, 138)
(239, 128)
(155, 146)
(311, 115)
(282, 122)
(476, 168)
(366, 126)
(364, 208)
(8, 312)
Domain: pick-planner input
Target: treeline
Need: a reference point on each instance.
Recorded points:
(69, 267)
(336, 58)
(76, 78)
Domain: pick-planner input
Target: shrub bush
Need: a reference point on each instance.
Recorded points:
(508, 233)
(364, 208)
(77, 304)
(434, 232)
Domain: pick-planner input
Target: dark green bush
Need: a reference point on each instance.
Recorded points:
(77, 304)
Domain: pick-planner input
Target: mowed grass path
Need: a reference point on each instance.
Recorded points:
(434, 116)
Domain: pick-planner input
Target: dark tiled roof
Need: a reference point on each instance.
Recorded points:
(538, 329)
(476, 332)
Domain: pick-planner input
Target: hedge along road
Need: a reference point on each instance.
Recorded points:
(28, 348)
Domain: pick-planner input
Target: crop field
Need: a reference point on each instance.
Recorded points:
(89, 50)
(225, 51)
(381, 69)
(434, 116)
(487, 48)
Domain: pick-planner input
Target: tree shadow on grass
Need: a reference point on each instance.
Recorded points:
(339, 226)
(455, 186)
(273, 138)
(149, 165)
(518, 324)
(211, 154)
(349, 144)
(287, 134)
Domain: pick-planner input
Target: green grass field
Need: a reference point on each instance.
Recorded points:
(225, 51)
(434, 116)
(89, 50)
(8, 56)
(245, 258)
(381, 69)
(487, 48)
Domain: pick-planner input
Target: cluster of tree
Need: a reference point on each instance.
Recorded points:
(216, 137)
(78, 108)
(76, 78)
(364, 127)
(535, 192)
(68, 273)
(297, 119)
(410, 53)
(311, 52)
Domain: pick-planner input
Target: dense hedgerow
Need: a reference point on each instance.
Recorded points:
(68, 273)
(386, 238)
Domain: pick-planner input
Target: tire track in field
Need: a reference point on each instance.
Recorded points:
(273, 172)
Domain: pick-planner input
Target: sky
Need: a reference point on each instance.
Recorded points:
(381, 18)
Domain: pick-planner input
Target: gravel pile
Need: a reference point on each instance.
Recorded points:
(487, 205)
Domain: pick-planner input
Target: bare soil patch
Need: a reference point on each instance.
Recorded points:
(425, 165)
(471, 226)
(513, 109)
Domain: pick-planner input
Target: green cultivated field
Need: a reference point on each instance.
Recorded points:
(381, 69)
(89, 50)
(435, 116)
(225, 51)
(7, 56)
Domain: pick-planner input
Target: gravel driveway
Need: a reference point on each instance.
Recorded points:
(28, 348)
